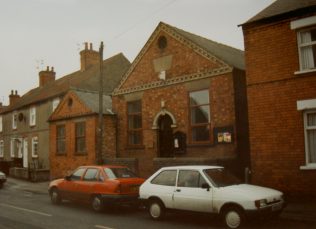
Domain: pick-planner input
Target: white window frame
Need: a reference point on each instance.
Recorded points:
(34, 142)
(32, 116)
(1, 148)
(12, 153)
(14, 120)
(300, 46)
(306, 128)
(55, 103)
(1, 125)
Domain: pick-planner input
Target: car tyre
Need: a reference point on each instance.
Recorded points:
(233, 217)
(97, 203)
(55, 196)
(156, 209)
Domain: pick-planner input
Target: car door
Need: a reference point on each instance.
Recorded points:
(69, 188)
(163, 186)
(87, 184)
(189, 194)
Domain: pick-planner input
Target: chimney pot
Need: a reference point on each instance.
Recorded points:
(16, 92)
(47, 68)
(91, 48)
(52, 69)
(11, 92)
(86, 45)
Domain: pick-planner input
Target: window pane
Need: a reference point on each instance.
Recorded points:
(77, 174)
(167, 178)
(134, 138)
(60, 131)
(134, 122)
(311, 119)
(199, 97)
(80, 129)
(311, 135)
(91, 175)
(188, 178)
(134, 107)
(201, 133)
(308, 57)
(308, 36)
(200, 114)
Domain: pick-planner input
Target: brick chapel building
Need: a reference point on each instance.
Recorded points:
(280, 51)
(182, 101)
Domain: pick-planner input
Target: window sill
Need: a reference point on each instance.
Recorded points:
(200, 145)
(308, 167)
(304, 71)
(81, 154)
(135, 147)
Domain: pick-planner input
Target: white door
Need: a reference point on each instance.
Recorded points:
(25, 153)
(189, 194)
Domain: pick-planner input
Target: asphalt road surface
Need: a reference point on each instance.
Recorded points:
(28, 210)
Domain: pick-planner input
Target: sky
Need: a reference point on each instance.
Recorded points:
(39, 33)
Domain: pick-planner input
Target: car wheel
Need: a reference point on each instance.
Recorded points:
(233, 217)
(156, 209)
(96, 203)
(55, 196)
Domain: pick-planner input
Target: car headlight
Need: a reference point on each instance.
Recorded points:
(261, 203)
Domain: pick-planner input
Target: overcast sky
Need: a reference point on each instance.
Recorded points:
(40, 33)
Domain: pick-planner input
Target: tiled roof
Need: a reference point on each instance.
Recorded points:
(230, 55)
(114, 68)
(280, 7)
(91, 100)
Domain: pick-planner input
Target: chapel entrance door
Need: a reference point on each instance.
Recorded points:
(165, 136)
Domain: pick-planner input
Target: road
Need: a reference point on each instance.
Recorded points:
(30, 210)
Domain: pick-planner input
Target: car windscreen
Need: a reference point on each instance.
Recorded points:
(221, 177)
(114, 173)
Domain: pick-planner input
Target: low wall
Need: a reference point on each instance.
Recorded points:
(132, 163)
(230, 164)
(27, 174)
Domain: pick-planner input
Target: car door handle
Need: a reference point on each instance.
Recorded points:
(178, 190)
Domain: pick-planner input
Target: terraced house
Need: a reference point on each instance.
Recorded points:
(280, 50)
(24, 127)
(183, 101)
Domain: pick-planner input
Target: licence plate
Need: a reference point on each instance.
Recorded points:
(277, 207)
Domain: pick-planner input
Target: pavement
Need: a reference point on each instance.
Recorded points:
(297, 210)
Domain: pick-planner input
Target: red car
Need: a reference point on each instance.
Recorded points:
(98, 185)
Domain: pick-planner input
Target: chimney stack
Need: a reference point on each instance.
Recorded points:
(13, 97)
(88, 57)
(46, 76)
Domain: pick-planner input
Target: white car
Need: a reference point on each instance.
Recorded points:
(209, 189)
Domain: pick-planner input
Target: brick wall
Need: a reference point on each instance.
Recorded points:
(184, 61)
(61, 165)
(276, 126)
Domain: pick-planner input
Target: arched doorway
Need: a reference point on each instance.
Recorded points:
(165, 136)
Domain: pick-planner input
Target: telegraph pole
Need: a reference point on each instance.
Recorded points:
(99, 153)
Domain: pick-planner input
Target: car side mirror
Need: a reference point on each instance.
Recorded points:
(68, 178)
(206, 186)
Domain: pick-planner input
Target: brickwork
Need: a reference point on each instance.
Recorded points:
(176, 101)
(276, 126)
(63, 164)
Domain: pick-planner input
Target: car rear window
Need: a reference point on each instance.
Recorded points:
(115, 173)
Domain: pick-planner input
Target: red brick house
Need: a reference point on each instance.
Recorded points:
(73, 131)
(182, 101)
(280, 51)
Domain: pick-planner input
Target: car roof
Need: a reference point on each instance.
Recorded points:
(198, 167)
